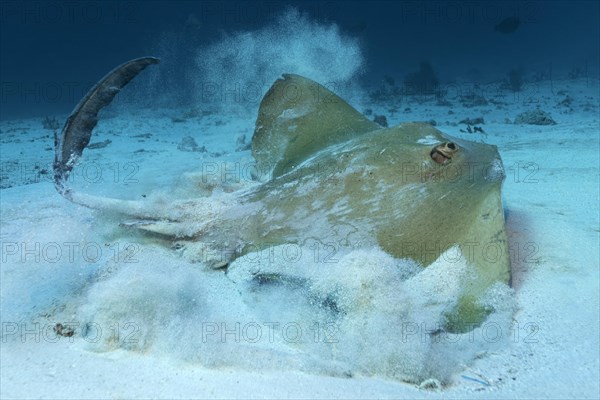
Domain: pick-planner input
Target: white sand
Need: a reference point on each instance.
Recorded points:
(551, 200)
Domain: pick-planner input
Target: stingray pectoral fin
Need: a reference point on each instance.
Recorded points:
(77, 131)
(486, 249)
(488, 244)
(297, 118)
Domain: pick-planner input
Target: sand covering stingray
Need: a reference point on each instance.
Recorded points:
(327, 176)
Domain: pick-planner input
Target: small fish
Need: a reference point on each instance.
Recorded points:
(508, 25)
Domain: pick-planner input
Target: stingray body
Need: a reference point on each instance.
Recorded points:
(325, 174)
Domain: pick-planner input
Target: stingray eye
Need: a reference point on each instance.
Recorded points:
(448, 148)
(442, 153)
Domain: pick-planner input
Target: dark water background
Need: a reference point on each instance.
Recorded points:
(52, 51)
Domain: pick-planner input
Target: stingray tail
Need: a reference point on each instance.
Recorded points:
(76, 134)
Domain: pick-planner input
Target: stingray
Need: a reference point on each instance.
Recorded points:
(325, 173)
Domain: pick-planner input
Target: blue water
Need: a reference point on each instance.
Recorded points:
(51, 52)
